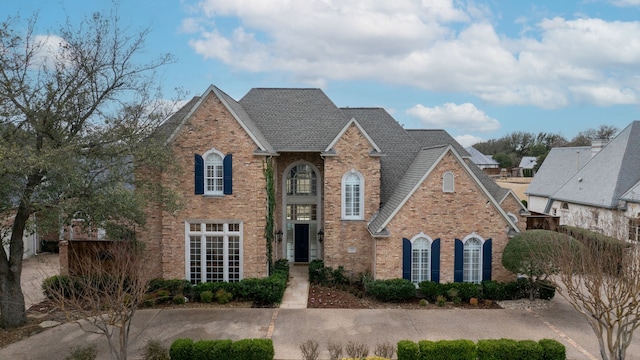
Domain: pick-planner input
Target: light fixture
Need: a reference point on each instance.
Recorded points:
(279, 235)
(320, 235)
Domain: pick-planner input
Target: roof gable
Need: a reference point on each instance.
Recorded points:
(294, 119)
(479, 158)
(423, 165)
(435, 137)
(611, 172)
(364, 133)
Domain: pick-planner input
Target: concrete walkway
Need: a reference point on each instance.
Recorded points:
(34, 270)
(297, 292)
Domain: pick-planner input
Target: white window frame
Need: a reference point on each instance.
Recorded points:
(359, 201)
(214, 158)
(634, 230)
(226, 233)
(448, 182)
(420, 267)
(472, 272)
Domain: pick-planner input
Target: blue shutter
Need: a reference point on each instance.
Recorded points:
(198, 180)
(458, 261)
(227, 180)
(486, 260)
(406, 259)
(435, 260)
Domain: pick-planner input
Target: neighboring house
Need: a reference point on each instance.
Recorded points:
(30, 243)
(353, 188)
(527, 166)
(481, 160)
(594, 187)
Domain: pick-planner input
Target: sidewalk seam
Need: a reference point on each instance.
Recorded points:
(564, 336)
(272, 324)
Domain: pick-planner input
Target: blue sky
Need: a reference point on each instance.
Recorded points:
(479, 69)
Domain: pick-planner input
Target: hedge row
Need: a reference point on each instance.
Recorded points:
(491, 290)
(263, 291)
(493, 349)
(256, 349)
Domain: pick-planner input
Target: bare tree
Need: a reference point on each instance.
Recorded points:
(107, 285)
(75, 108)
(600, 277)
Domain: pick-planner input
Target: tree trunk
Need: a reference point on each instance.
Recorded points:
(12, 311)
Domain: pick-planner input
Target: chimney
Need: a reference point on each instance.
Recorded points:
(597, 145)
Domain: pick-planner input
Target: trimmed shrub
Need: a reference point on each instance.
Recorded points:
(265, 291)
(317, 272)
(181, 349)
(206, 296)
(57, 284)
(212, 349)
(214, 287)
(553, 350)
(281, 264)
(466, 291)
(223, 296)
(528, 349)
(447, 349)
(86, 352)
(255, 349)
(497, 349)
(179, 299)
(408, 350)
(154, 350)
(430, 290)
(393, 290)
(174, 286)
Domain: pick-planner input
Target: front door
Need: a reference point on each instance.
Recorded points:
(301, 243)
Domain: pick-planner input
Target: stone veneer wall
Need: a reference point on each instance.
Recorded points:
(212, 126)
(446, 216)
(341, 236)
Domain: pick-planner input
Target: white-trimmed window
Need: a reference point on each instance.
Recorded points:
(420, 259)
(213, 251)
(213, 173)
(352, 196)
(448, 182)
(472, 260)
(634, 229)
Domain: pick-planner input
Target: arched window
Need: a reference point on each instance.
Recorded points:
(420, 260)
(301, 181)
(213, 175)
(352, 196)
(447, 182)
(472, 266)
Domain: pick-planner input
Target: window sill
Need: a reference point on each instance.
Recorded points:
(213, 195)
(343, 219)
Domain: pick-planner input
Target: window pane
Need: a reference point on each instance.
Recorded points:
(215, 258)
(195, 259)
(301, 180)
(234, 258)
(471, 268)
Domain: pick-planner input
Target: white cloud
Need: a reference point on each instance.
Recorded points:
(48, 50)
(468, 140)
(625, 3)
(442, 45)
(465, 116)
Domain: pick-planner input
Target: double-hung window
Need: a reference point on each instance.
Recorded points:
(212, 173)
(352, 196)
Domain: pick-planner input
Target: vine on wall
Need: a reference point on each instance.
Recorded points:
(271, 207)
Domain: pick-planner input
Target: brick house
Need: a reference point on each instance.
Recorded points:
(353, 187)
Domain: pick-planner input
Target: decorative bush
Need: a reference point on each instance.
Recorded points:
(181, 349)
(223, 296)
(447, 349)
(214, 287)
(553, 350)
(430, 290)
(174, 286)
(212, 349)
(393, 290)
(317, 272)
(255, 349)
(497, 349)
(206, 296)
(57, 284)
(179, 299)
(154, 350)
(408, 350)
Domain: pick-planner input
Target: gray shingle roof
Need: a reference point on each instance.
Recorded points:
(399, 148)
(294, 119)
(422, 163)
(559, 166)
(633, 195)
(167, 128)
(609, 174)
(436, 137)
(479, 158)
